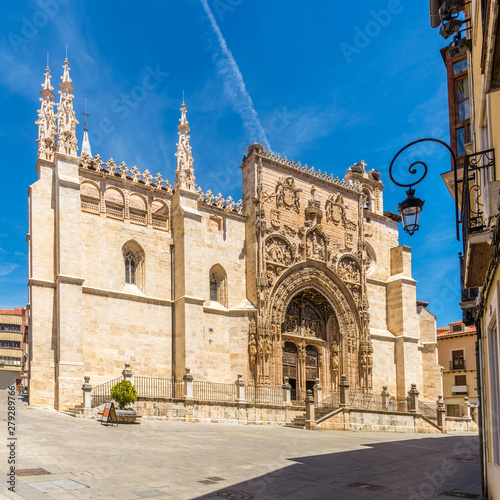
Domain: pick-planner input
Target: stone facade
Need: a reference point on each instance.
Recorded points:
(304, 278)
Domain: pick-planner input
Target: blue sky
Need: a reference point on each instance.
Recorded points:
(324, 84)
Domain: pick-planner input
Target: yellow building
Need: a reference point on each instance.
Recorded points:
(473, 68)
(13, 331)
(457, 357)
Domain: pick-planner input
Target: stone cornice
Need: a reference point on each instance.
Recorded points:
(74, 280)
(125, 295)
(304, 170)
(193, 300)
(41, 282)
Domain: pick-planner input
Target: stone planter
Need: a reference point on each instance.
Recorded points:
(126, 416)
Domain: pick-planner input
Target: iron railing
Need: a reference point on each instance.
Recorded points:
(366, 401)
(151, 387)
(212, 391)
(298, 396)
(427, 411)
(101, 393)
(327, 405)
(479, 169)
(264, 394)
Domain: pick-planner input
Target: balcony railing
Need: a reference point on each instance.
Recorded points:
(457, 366)
(478, 173)
(479, 168)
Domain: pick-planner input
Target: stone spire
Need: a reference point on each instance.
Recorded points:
(86, 142)
(66, 120)
(184, 173)
(46, 121)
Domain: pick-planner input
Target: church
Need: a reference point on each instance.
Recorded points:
(303, 278)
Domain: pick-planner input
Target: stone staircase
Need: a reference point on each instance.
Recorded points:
(299, 422)
(77, 412)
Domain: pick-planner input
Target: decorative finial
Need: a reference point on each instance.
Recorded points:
(184, 173)
(46, 120)
(183, 97)
(67, 142)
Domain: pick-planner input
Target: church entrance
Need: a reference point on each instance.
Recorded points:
(309, 328)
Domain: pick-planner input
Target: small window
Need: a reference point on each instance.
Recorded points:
(457, 328)
(460, 380)
(213, 289)
(218, 285)
(367, 203)
(134, 264)
(129, 268)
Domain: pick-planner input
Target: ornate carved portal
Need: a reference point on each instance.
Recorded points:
(312, 329)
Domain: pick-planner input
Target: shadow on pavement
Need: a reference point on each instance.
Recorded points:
(446, 467)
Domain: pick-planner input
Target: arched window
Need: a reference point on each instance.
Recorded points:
(134, 264)
(90, 197)
(218, 285)
(367, 203)
(115, 203)
(130, 268)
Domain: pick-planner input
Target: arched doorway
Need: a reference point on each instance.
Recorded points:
(309, 328)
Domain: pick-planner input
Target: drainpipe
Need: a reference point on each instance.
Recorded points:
(482, 409)
(172, 312)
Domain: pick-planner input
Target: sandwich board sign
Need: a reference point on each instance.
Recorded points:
(109, 414)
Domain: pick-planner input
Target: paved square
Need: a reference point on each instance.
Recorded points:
(187, 461)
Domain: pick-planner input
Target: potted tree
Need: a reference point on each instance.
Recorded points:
(124, 393)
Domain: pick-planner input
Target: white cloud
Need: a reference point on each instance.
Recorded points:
(7, 268)
(235, 86)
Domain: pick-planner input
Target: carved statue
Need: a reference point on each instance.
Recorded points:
(279, 250)
(348, 269)
(252, 349)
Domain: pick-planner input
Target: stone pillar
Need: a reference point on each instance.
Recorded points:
(127, 373)
(318, 391)
(440, 412)
(240, 388)
(287, 392)
(188, 384)
(344, 391)
(467, 407)
(87, 397)
(413, 399)
(310, 420)
(385, 398)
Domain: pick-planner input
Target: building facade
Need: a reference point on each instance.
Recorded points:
(473, 69)
(457, 357)
(304, 278)
(13, 339)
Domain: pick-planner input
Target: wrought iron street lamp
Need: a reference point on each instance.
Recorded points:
(411, 207)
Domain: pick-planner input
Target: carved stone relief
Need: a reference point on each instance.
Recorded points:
(348, 269)
(287, 194)
(278, 250)
(316, 245)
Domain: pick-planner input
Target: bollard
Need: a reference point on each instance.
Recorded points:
(413, 399)
(440, 411)
(188, 384)
(127, 372)
(240, 388)
(287, 392)
(344, 391)
(87, 397)
(317, 391)
(310, 420)
(385, 398)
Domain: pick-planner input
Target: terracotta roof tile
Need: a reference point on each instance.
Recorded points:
(13, 312)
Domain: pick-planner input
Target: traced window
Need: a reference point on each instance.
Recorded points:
(138, 211)
(134, 265)
(89, 196)
(218, 285)
(115, 204)
(159, 214)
